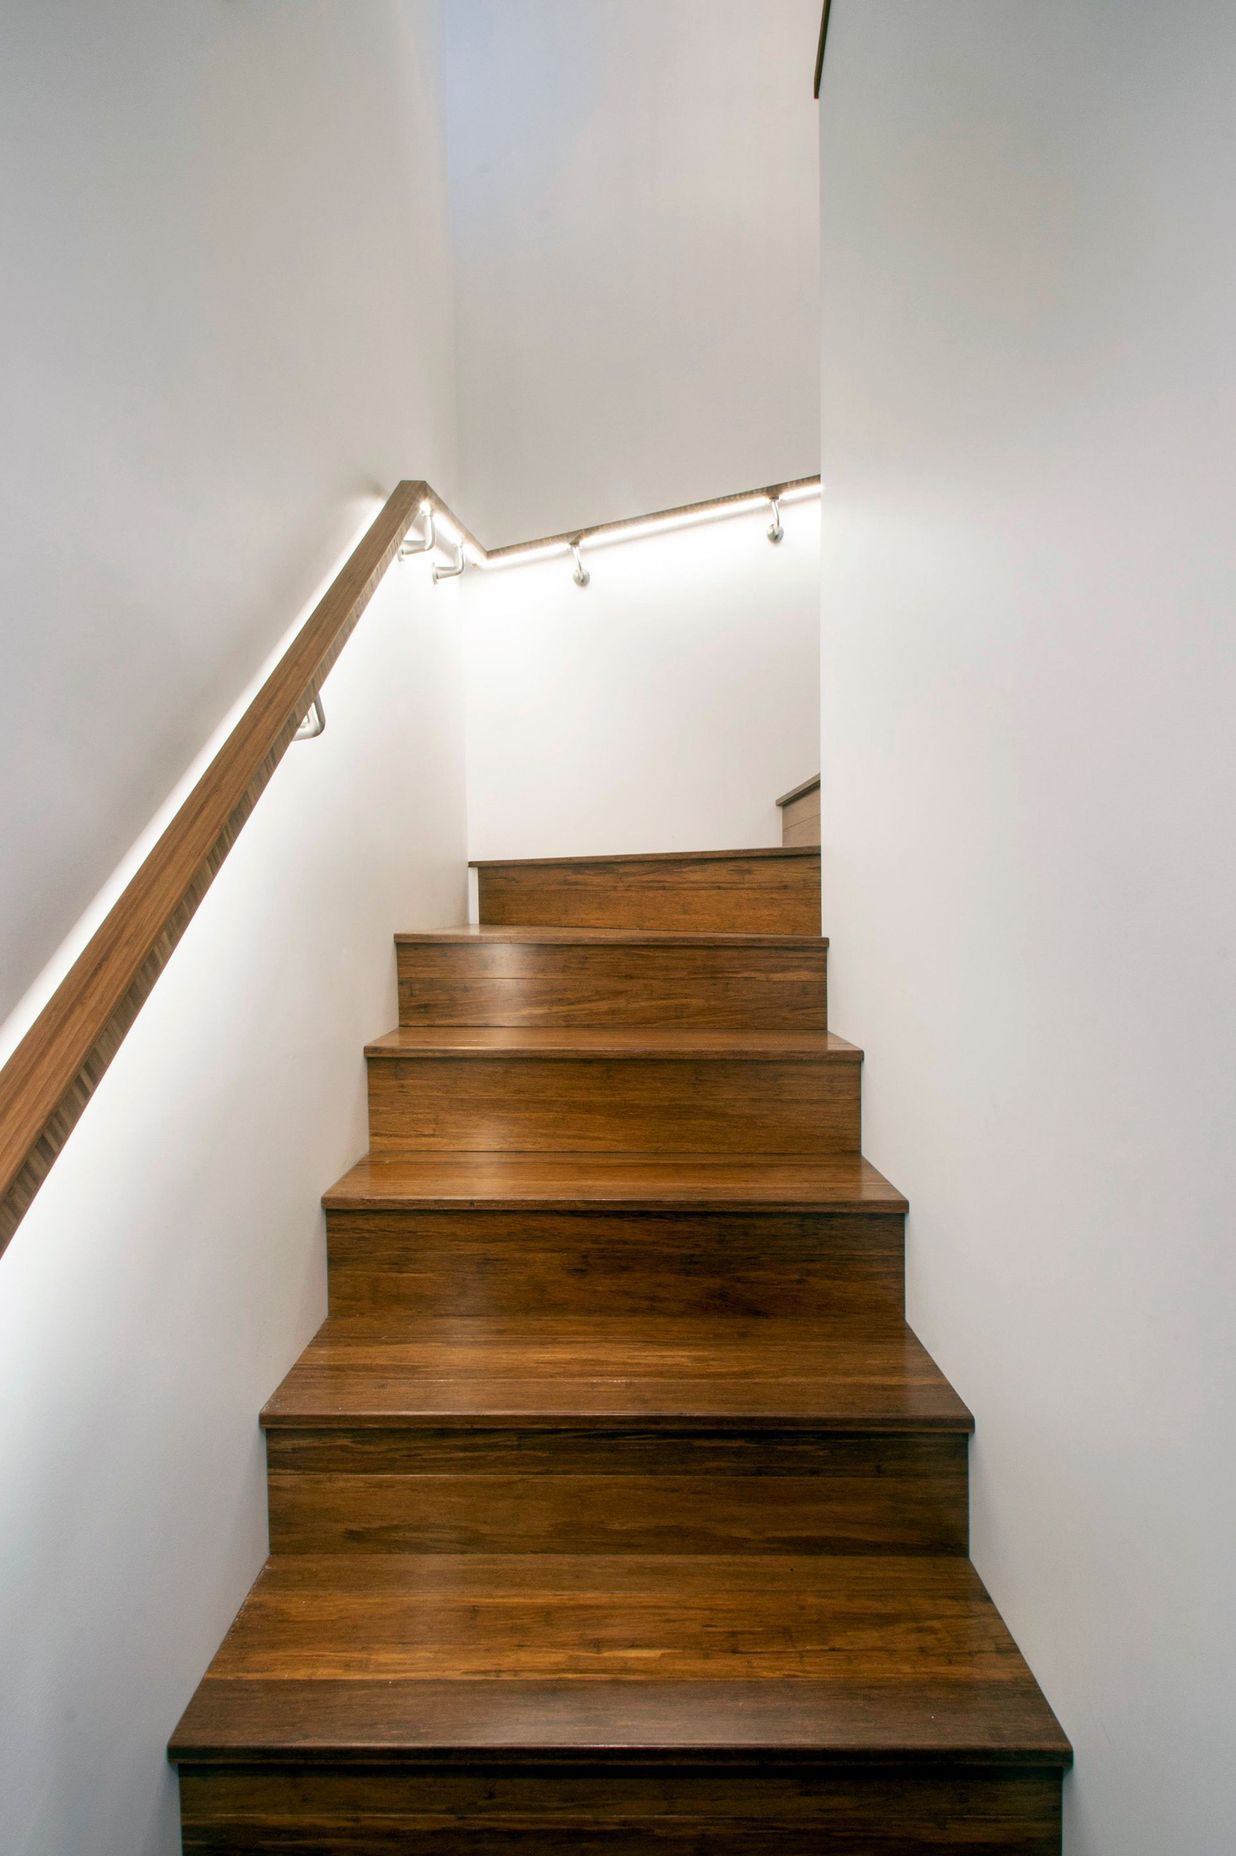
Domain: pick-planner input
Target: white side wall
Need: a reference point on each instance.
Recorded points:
(225, 323)
(635, 224)
(173, 1265)
(226, 332)
(1030, 571)
(662, 708)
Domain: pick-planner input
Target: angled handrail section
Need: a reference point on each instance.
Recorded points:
(54, 1071)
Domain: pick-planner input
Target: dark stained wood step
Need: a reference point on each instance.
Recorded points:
(367, 1658)
(598, 1435)
(631, 1181)
(751, 1803)
(593, 1089)
(407, 1486)
(568, 1371)
(532, 934)
(511, 1234)
(568, 976)
(754, 891)
(636, 1043)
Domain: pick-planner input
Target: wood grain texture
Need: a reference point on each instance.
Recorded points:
(361, 1371)
(55, 1069)
(683, 1261)
(588, 1103)
(743, 1808)
(874, 1655)
(633, 1181)
(605, 1490)
(766, 891)
(615, 1508)
(555, 982)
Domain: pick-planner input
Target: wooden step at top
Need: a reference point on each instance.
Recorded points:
(616, 1182)
(606, 1043)
(563, 976)
(567, 1372)
(739, 892)
(373, 1659)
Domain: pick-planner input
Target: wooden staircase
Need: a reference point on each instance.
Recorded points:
(615, 1508)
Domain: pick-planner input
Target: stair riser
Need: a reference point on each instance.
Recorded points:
(595, 1105)
(732, 895)
(493, 1263)
(723, 1811)
(520, 983)
(504, 1491)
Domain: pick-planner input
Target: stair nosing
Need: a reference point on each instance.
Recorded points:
(647, 1044)
(480, 934)
(664, 1423)
(646, 857)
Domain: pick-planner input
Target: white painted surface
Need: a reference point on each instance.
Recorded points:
(173, 1265)
(635, 227)
(226, 325)
(225, 322)
(662, 708)
(1030, 570)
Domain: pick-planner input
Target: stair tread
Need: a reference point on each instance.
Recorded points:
(774, 851)
(477, 933)
(631, 1181)
(607, 1041)
(573, 1370)
(386, 1658)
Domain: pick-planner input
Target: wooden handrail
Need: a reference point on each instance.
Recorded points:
(819, 55)
(680, 512)
(56, 1068)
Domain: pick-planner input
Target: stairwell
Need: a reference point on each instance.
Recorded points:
(615, 1507)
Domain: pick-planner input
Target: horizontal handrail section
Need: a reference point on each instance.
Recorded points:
(56, 1068)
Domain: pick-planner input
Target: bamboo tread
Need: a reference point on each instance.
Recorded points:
(512, 1181)
(643, 857)
(381, 1658)
(605, 1042)
(573, 1370)
(479, 934)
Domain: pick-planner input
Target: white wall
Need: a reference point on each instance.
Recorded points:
(225, 322)
(635, 224)
(225, 332)
(1029, 579)
(173, 1265)
(664, 707)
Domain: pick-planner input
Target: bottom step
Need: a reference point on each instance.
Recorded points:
(503, 1703)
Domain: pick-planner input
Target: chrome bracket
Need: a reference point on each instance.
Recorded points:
(776, 532)
(581, 576)
(418, 546)
(314, 723)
